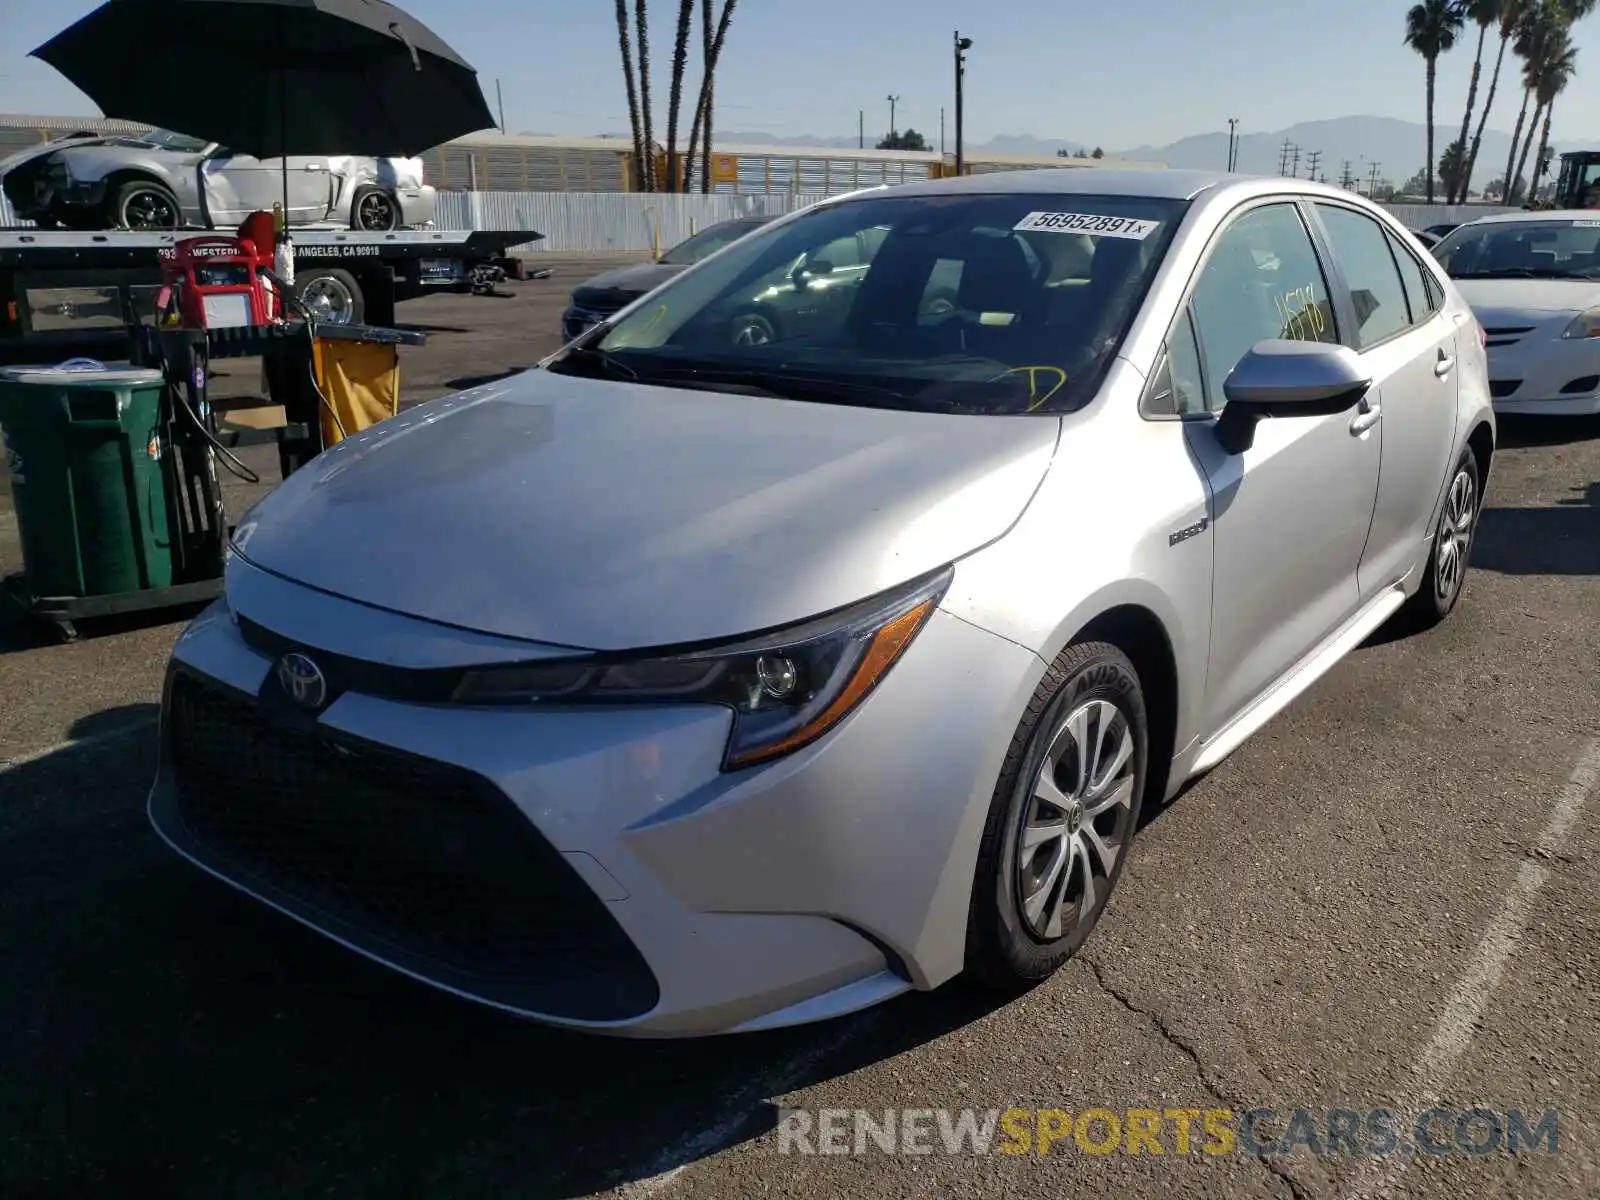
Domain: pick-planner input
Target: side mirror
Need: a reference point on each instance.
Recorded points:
(1288, 379)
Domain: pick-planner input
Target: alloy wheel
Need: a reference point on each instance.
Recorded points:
(1455, 535)
(1077, 821)
(148, 209)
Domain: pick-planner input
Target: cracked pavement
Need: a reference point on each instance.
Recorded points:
(1289, 933)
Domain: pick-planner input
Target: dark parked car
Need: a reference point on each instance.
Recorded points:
(596, 299)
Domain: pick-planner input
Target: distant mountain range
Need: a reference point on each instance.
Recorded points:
(1397, 147)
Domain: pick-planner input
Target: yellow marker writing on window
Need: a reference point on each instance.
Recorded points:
(655, 320)
(1038, 379)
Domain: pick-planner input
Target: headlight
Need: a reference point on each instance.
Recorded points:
(786, 689)
(1584, 325)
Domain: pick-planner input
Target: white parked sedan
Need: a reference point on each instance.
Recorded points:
(1533, 280)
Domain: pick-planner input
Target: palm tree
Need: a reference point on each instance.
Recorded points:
(1555, 70)
(680, 60)
(1512, 14)
(700, 129)
(642, 36)
(1431, 29)
(1538, 25)
(626, 41)
(1482, 13)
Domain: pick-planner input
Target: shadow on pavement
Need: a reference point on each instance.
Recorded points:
(1562, 540)
(1517, 433)
(464, 382)
(164, 1035)
(20, 631)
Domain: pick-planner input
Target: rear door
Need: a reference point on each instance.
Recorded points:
(1399, 327)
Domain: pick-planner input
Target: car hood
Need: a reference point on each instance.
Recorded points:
(636, 277)
(1501, 302)
(605, 516)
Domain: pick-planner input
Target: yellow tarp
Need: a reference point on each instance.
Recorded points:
(361, 381)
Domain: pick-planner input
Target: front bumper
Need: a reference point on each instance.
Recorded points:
(687, 901)
(1533, 370)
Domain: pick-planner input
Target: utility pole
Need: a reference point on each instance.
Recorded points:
(1283, 158)
(861, 128)
(941, 131)
(1295, 169)
(962, 46)
(501, 102)
(893, 100)
(1344, 177)
(1315, 158)
(1233, 143)
(1372, 181)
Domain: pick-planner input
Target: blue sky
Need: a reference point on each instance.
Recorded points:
(1115, 74)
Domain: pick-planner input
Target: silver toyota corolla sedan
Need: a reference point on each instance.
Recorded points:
(688, 684)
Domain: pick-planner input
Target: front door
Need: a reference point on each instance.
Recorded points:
(239, 184)
(1290, 515)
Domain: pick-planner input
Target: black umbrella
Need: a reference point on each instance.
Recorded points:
(274, 77)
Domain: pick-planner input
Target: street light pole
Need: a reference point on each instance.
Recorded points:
(893, 100)
(962, 46)
(1233, 143)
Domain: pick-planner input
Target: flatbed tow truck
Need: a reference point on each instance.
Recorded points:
(64, 294)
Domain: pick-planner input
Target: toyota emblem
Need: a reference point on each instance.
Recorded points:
(302, 680)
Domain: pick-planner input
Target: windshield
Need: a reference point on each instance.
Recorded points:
(1007, 303)
(704, 243)
(180, 142)
(1523, 250)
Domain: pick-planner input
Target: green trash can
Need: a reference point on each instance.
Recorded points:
(83, 446)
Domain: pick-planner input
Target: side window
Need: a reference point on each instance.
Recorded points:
(1418, 293)
(1362, 248)
(1262, 281)
(1178, 389)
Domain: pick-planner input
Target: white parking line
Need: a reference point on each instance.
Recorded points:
(717, 1136)
(1459, 1021)
(92, 742)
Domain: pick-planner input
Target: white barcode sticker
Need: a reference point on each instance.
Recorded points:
(1586, 224)
(1093, 224)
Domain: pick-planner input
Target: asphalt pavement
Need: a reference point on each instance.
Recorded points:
(1388, 899)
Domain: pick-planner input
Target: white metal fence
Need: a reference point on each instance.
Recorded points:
(632, 222)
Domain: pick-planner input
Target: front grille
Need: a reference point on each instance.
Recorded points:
(425, 865)
(604, 300)
(1499, 389)
(1507, 335)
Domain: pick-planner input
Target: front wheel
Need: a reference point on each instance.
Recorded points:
(144, 204)
(1453, 538)
(1062, 819)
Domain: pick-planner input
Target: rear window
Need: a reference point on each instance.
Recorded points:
(1005, 303)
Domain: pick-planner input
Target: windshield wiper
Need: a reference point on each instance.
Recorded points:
(594, 363)
(778, 385)
(1516, 273)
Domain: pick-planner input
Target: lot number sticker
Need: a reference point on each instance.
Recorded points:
(1090, 223)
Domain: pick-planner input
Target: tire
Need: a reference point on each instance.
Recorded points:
(374, 211)
(143, 204)
(1453, 539)
(751, 329)
(333, 296)
(1008, 947)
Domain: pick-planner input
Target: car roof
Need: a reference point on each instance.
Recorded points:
(1155, 183)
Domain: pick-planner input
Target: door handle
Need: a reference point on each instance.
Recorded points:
(1370, 414)
(1443, 367)
(315, 167)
